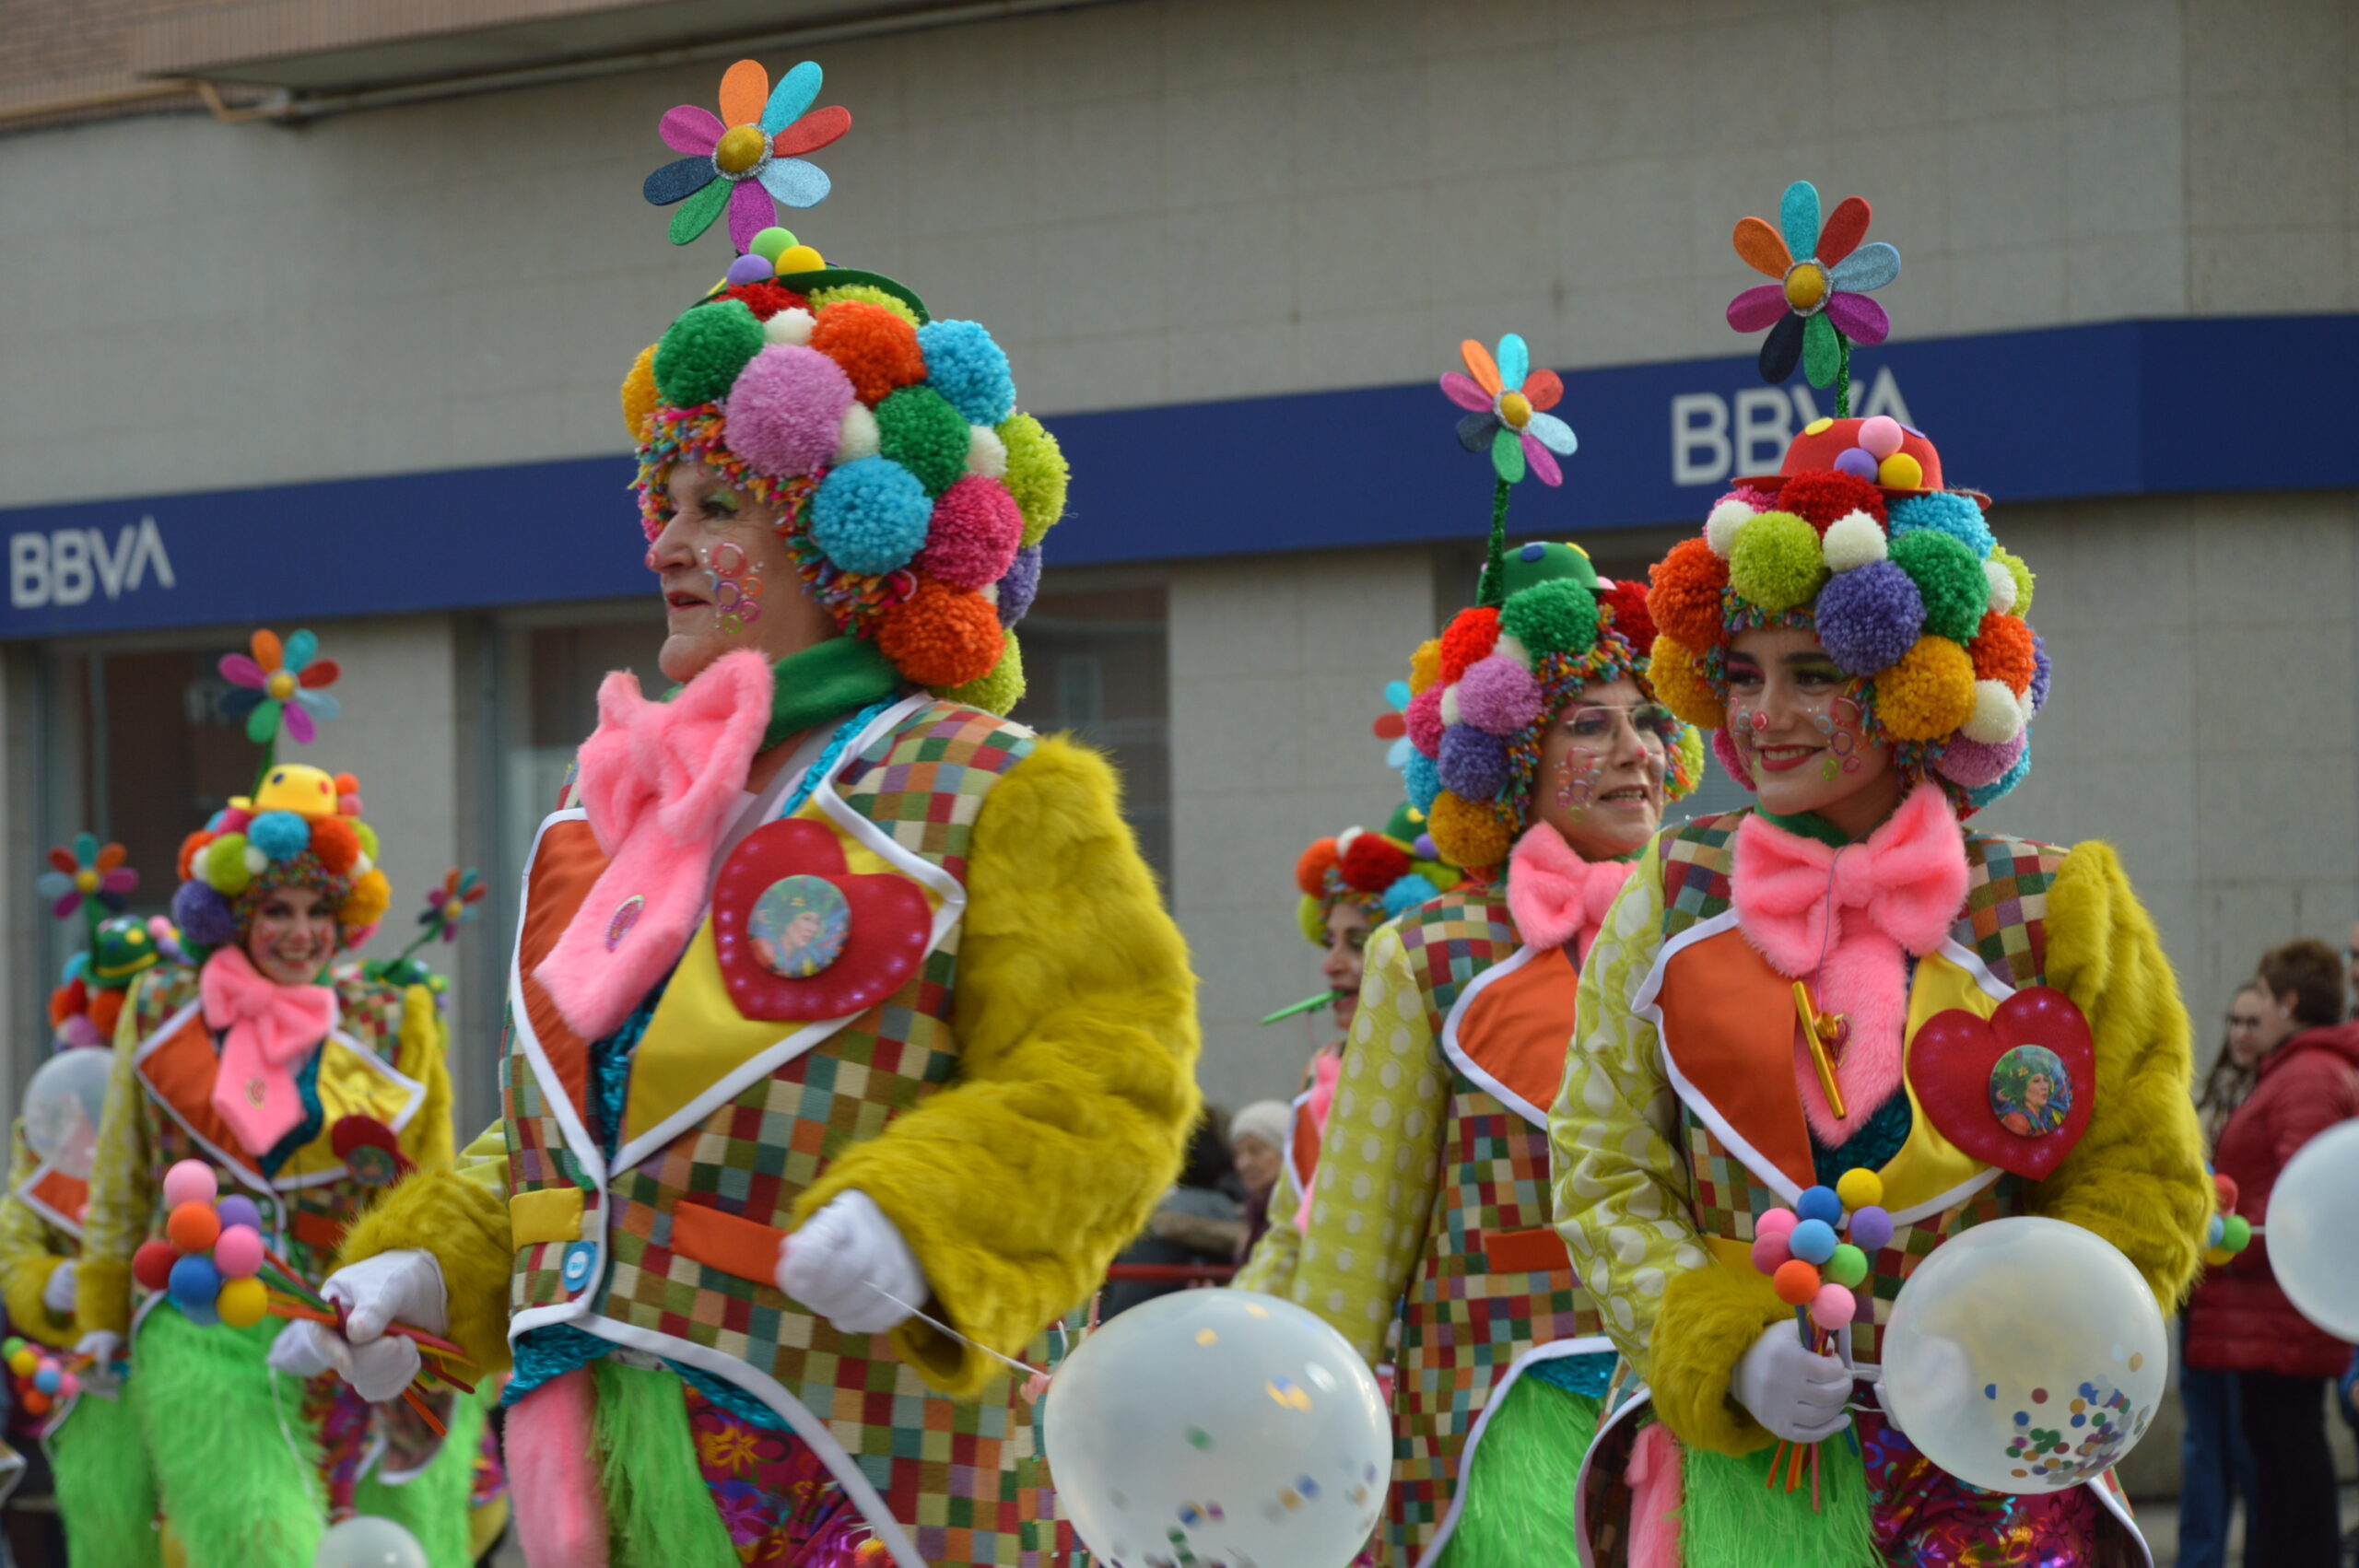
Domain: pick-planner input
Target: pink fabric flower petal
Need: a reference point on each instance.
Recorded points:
(123, 879)
(297, 723)
(1858, 317)
(1542, 461)
(66, 904)
(1461, 390)
(690, 129)
(750, 212)
(1757, 308)
(239, 670)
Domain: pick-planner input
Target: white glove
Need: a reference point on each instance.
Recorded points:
(378, 1371)
(58, 1295)
(842, 1264)
(102, 1345)
(1795, 1394)
(393, 1287)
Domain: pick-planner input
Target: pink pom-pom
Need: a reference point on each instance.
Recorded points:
(786, 410)
(190, 1181)
(1724, 748)
(1881, 434)
(68, 1386)
(1498, 695)
(1769, 1252)
(1423, 718)
(1975, 764)
(238, 1252)
(1778, 1222)
(78, 1030)
(974, 534)
(1834, 1308)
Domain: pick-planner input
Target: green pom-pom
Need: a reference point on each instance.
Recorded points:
(1552, 617)
(2023, 579)
(1688, 773)
(1949, 578)
(368, 836)
(1001, 689)
(701, 354)
(866, 292)
(917, 428)
(1037, 474)
(1310, 920)
(225, 865)
(771, 243)
(1776, 563)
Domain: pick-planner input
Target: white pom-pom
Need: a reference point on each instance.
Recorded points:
(1344, 839)
(1450, 714)
(1510, 646)
(256, 861)
(1720, 528)
(2003, 587)
(857, 437)
(362, 865)
(986, 453)
(789, 326)
(1853, 539)
(1998, 717)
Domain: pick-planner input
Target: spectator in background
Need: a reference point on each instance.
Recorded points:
(2351, 966)
(2239, 1319)
(2215, 1464)
(1257, 1142)
(1199, 1220)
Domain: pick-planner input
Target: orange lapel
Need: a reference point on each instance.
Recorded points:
(1729, 1023)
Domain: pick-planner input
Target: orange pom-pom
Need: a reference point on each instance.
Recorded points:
(335, 844)
(35, 1402)
(1374, 863)
(1310, 869)
(66, 1001)
(940, 635)
(193, 1227)
(1471, 635)
(1676, 672)
(190, 847)
(878, 350)
(106, 1008)
(2003, 651)
(640, 396)
(1796, 1282)
(1685, 597)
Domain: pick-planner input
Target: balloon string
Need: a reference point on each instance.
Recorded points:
(936, 1322)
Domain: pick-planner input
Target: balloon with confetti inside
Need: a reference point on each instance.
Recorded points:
(62, 1107)
(1218, 1427)
(2025, 1355)
(367, 1541)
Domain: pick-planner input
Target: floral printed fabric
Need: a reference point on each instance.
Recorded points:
(1924, 1517)
(782, 1508)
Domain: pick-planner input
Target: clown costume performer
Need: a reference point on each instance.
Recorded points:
(1754, 1019)
(1347, 885)
(1542, 758)
(301, 1085)
(773, 1195)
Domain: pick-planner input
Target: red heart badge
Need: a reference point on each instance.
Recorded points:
(799, 937)
(2014, 1090)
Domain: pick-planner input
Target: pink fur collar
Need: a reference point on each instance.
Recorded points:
(1555, 897)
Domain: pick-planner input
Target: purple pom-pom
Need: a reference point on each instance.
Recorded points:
(1498, 695)
(1019, 585)
(1425, 849)
(1474, 765)
(786, 410)
(1975, 764)
(1724, 747)
(1870, 1228)
(1859, 462)
(2039, 672)
(750, 269)
(203, 917)
(1869, 616)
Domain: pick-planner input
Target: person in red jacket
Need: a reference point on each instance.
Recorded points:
(2239, 1321)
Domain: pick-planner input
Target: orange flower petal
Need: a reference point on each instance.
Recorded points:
(112, 856)
(743, 92)
(1542, 389)
(1479, 365)
(1762, 247)
(268, 653)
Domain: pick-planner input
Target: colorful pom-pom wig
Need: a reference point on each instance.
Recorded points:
(913, 493)
(1380, 873)
(302, 828)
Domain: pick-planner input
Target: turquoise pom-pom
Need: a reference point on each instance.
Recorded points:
(871, 515)
(1407, 894)
(1422, 775)
(966, 368)
(282, 836)
(1956, 516)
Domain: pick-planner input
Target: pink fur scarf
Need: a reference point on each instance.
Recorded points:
(1841, 919)
(1555, 897)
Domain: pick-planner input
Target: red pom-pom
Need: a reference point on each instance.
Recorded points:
(2226, 1188)
(1374, 863)
(106, 1008)
(190, 847)
(1822, 494)
(1685, 598)
(1627, 599)
(1471, 635)
(941, 636)
(2003, 650)
(1310, 870)
(337, 846)
(152, 1264)
(766, 300)
(66, 1001)
(877, 349)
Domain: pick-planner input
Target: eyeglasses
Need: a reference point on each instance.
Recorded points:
(1655, 726)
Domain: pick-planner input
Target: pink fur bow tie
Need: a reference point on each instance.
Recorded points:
(270, 1028)
(1907, 880)
(660, 782)
(1555, 897)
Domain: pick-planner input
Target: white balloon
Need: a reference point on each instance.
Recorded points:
(2025, 1355)
(62, 1107)
(2313, 1230)
(367, 1541)
(1219, 1427)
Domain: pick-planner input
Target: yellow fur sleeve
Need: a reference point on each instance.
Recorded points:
(27, 1256)
(122, 1198)
(2136, 1177)
(1075, 1090)
(424, 1055)
(463, 1222)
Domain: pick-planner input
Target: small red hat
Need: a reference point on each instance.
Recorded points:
(1879, 449)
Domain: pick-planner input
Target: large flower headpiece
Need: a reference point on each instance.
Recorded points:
(913, 493)
(1380, 873)
(301, 828)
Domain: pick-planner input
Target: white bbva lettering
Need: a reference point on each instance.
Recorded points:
(1710, 440)
(62, 568)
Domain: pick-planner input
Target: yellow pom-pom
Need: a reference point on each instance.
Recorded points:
(1467, 834)
(1859, 1188)
(1425, 665)
(1676, 672)
(1310, 918)
(371, 896)
(2214, 1258)
(1900, 472)
(243, 1302)
(1929, 693)
(23, 1363)
(867, 294)
(798, 258)
(640, 397)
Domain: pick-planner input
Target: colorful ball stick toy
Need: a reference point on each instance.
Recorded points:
(1816, 1257)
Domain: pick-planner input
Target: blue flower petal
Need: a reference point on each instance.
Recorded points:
(1871, 266)
(1397, 693)
(1554, 434)
(1797, 216)
(1397, 754)
(239, 701)
(1474, 431)
(795, 92)
(302, 647)
(678, 180)
(52, 885)
(321, 705)
(794, 183)
(1515, 362)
